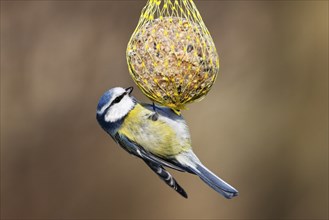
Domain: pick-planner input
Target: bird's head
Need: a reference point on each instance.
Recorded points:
(115, 104)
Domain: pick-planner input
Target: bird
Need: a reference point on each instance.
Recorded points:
(157, 135)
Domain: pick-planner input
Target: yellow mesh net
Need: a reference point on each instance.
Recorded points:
(171, 55)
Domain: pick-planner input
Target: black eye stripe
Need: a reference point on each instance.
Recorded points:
(117, 99)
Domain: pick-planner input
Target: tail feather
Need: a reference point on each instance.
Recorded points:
(215, 182)
(192, 163)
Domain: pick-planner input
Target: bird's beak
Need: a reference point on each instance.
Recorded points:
(129, 89)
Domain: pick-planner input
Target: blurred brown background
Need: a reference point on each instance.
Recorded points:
(263, 127)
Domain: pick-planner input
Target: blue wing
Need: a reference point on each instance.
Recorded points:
(154, 162)
(139, 151)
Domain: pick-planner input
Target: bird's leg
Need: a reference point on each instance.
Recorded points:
(155, 115)
(153, 105)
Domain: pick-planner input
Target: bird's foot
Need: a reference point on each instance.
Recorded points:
(154, 116)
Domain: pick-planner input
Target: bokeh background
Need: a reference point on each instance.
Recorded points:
(263, 127)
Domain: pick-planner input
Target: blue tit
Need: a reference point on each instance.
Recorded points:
(161, 141)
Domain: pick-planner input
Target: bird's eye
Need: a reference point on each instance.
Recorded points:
(118, 99)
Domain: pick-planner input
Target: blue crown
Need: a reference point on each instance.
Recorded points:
(106, 97)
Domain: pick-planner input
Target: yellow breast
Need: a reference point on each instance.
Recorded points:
(164, 137)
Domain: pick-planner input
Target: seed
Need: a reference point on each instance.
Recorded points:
(170, 54)
(189, 48)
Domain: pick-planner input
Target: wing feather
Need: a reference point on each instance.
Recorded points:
(154, 162)
(139, 151)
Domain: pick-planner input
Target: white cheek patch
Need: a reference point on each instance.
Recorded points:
(115, 92)
(119, 110)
